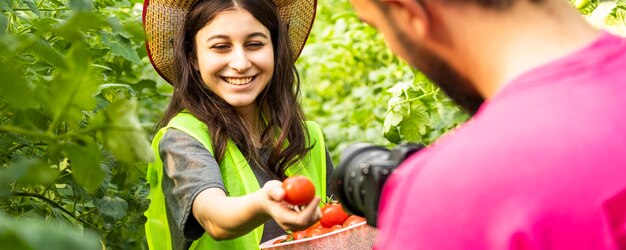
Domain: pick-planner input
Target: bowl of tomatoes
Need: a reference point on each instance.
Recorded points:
(335, 230)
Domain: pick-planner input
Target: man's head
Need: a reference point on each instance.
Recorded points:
(419, 32)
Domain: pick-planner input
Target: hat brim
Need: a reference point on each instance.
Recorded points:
(162, 19)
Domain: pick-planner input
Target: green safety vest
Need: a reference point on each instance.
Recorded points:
(238, 180)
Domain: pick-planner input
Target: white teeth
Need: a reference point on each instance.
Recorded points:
(238, 81)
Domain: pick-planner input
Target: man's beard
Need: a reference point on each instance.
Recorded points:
(456, 86)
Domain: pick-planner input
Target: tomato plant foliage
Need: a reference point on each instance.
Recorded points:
(79, 99)
(75, 87)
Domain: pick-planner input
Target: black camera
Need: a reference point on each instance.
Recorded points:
(363, 169)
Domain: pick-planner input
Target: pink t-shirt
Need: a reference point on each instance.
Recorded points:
(542, 165)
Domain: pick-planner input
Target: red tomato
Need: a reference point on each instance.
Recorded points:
(299, 190)
(335, 228)
(278, 241)
(333, 214)
(316, 232)
(299, 235)
(316, 225)
(352, 220)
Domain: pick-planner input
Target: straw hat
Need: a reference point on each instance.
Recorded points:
(162, 19)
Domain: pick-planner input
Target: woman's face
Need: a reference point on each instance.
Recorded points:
(235, 57)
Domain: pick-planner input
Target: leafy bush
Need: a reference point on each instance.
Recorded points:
(359, 91)
(78, 100)
(72, 148)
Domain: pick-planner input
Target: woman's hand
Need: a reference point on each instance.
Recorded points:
(289, 217)
(225, 217)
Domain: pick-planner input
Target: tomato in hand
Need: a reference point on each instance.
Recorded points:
(352, 220)
(333, 214)
(299, 190)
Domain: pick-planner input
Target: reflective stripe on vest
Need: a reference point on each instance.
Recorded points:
(238, 180)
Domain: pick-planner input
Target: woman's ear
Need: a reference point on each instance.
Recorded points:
(412, 14)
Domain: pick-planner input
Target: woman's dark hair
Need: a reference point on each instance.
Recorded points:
(282, 115)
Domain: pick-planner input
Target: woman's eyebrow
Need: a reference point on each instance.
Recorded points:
(216, 37)
(257, 34)
(251, 35)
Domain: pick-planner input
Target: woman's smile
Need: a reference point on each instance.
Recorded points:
(238, 80)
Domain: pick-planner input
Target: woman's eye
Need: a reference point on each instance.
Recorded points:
(220, 47)
(256, 45)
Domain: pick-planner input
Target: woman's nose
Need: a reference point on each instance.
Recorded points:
(240, 61)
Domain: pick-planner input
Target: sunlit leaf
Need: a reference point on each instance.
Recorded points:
(411, 129)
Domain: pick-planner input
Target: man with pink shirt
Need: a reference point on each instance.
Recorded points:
(542, 162)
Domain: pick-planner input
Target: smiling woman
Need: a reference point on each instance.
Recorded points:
(234, 128)
(236, 63)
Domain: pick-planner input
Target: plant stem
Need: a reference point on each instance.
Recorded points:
(410, 100)
(61, 174)
(26, 132)
(53, 204)
(27, 9)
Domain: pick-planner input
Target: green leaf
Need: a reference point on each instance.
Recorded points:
(71, 91)
(135, 29)
(85, 157)
(392, 119)
(4, 23)
(5, 5)
(31, 119)
(81, 5)
(74, 26)
(112, 208)
(144, 84)
(419, 112)
(33, 171)
(45, 23)
(139, 194)
(46, 52)
(38, 172)
(32, 7)
(37, 234)
(121, 132)
(113, 91)
(392, 135)
(13, 87)
(411, 129)
(120, 46)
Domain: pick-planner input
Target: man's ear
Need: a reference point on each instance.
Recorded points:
(411, 12)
